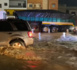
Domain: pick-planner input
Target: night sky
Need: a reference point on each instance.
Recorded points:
(68, 2)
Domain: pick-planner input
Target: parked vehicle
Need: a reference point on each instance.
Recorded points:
(75, 30)
(15, 32)
(71, 28)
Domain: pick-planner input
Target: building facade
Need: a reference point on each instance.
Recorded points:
(72, 10)
(62, 8)
(66, 9)
(42, 4)
(11, 5)
(46, 18)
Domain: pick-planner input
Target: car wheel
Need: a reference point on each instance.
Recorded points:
(17, 44)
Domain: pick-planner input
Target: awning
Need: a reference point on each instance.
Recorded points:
(42, 15)
(57, 23)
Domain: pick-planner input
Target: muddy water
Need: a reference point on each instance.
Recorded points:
(8, 63)
(53, 58)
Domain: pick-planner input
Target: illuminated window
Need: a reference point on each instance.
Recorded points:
(53, 5)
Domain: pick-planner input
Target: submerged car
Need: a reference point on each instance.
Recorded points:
(15, 32)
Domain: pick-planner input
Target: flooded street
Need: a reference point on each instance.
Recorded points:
(47, 54)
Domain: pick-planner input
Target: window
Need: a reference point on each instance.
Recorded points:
(5, 4)
(37, 5)
(19, 4)
(30, 5)
(24, 4)
(20, 25)
(5, 26)
(53, 5)
(0, 5)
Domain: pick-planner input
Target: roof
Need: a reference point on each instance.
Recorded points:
(44, 15)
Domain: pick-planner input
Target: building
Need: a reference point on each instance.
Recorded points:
(52, 19)
(66, 9)
(62, 8)
(11, 5)
(72, 10)
(42, 4)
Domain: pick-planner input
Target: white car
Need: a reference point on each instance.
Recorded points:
(15, 32)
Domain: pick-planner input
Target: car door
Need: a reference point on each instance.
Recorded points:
(5, 32)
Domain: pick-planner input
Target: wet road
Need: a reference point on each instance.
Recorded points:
(34, 63)
(48, 36)
(52, 58)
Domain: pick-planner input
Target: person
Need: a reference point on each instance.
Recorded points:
(67, 30)
(45, 29)
(36, 28)
(53, 29)
(56, 29)
(74, 31)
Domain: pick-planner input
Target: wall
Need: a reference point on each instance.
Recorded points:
(34, 1)
(2, 3)
(51, 2)
(45, 4)
(62, 8)
(72, 9)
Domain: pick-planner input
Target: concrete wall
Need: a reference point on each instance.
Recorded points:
(15, 2)
(2, 3)
(45, 4)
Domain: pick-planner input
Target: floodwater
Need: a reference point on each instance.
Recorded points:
(43, 55)
(8, 63)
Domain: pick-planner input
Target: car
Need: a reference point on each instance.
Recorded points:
(15, 33)
(75, 30)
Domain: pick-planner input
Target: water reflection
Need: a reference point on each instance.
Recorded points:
(33, 64)
(33, 60)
